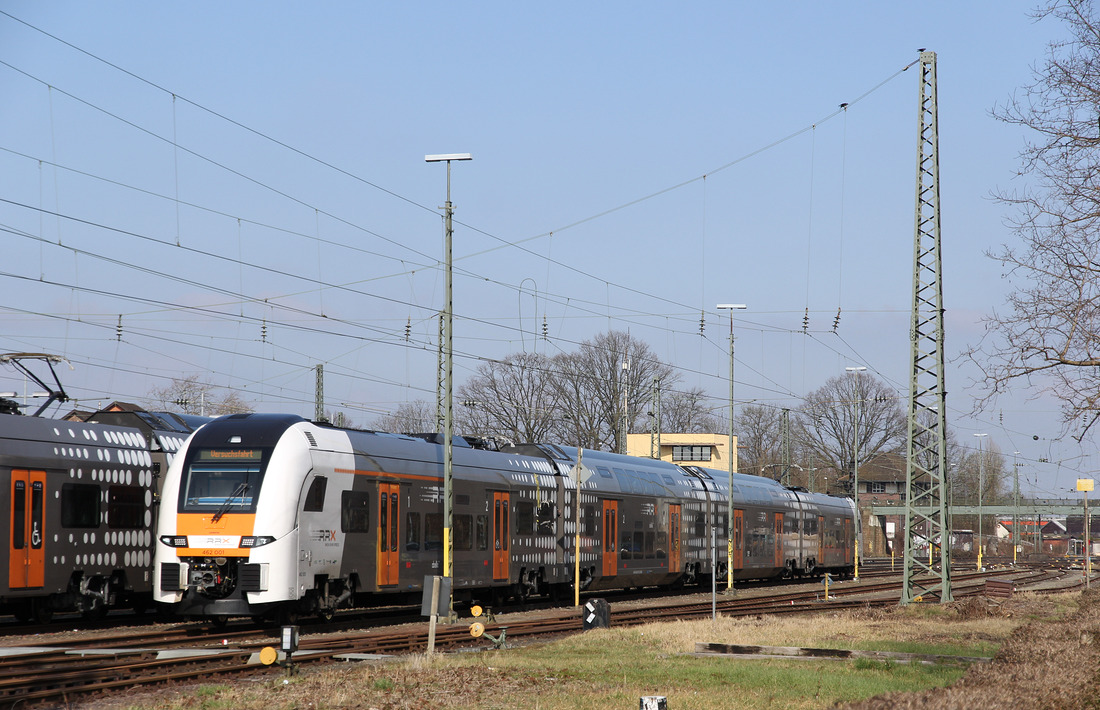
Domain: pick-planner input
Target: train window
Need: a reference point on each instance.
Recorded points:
(604, 471)
(125, 508)
(462, 499)
(662, 544)
(19, 516)
(80, 505)
(639, 544)
(668, 479)
(649, 547)
(525, 518)
(354, 512)
(626, 545)
(700, 526)
(433, 531)
(315, 496)
(481, 532)
(589, 526)
(412, 531)
(546, 517)
(464, 538)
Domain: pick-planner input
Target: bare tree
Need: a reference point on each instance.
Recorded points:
(689, 412)
(827, 421)
(978, 477)
(190, 395)
(578, 398)
(758, 438)
(606, 381)
(513, 399)
(1048, 337)
(976, 470)
(409, 417)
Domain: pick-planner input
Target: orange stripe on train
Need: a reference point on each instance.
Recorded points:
(201, 525)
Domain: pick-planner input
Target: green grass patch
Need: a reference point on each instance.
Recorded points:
(614, 669)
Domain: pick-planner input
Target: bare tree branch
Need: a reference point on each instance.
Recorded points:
(1048, 335)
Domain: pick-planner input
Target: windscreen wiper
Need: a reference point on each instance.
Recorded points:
(224, 508)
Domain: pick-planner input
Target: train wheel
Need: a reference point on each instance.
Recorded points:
(22, 612)
(219, 621)
(42, 613)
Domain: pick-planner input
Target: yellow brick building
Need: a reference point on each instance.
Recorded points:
(704, 450)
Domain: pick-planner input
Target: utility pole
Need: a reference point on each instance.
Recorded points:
(440, 378)
(981, 486)
(626, 404)
(1015, 505)
(731, 307)
(448, 395)
(1085, 485)
(926, 483)
(855, 461)
(785, 439)
(655, 421)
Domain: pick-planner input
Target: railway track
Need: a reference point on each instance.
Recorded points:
(62, 669)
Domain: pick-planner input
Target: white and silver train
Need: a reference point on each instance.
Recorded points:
(275, 516)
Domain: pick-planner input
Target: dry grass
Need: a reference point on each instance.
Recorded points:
(614, 667)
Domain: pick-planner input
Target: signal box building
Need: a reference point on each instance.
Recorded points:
(704, 450)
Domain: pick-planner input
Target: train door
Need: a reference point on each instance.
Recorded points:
(848, 537)
(738, 539)
(821, 540)
(27, 556)
(611, 538)
(501, 535)
(389, 514)
(674, 525)
(778, 539)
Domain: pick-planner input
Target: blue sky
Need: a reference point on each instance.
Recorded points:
(255, 164)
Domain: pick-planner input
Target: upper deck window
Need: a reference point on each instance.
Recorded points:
(222, 481)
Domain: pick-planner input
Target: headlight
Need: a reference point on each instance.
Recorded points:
(256, 540)
(174, 540)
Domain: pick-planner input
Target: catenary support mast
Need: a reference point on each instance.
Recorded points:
(926, 482)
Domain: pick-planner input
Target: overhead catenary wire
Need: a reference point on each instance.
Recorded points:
(572, 301)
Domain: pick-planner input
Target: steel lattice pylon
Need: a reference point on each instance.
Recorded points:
(926, 460)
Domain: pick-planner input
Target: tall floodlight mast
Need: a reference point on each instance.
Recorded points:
(926, 457)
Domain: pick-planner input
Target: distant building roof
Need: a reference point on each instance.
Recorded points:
(883, 467)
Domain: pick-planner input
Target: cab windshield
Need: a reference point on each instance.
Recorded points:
(222, 481)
